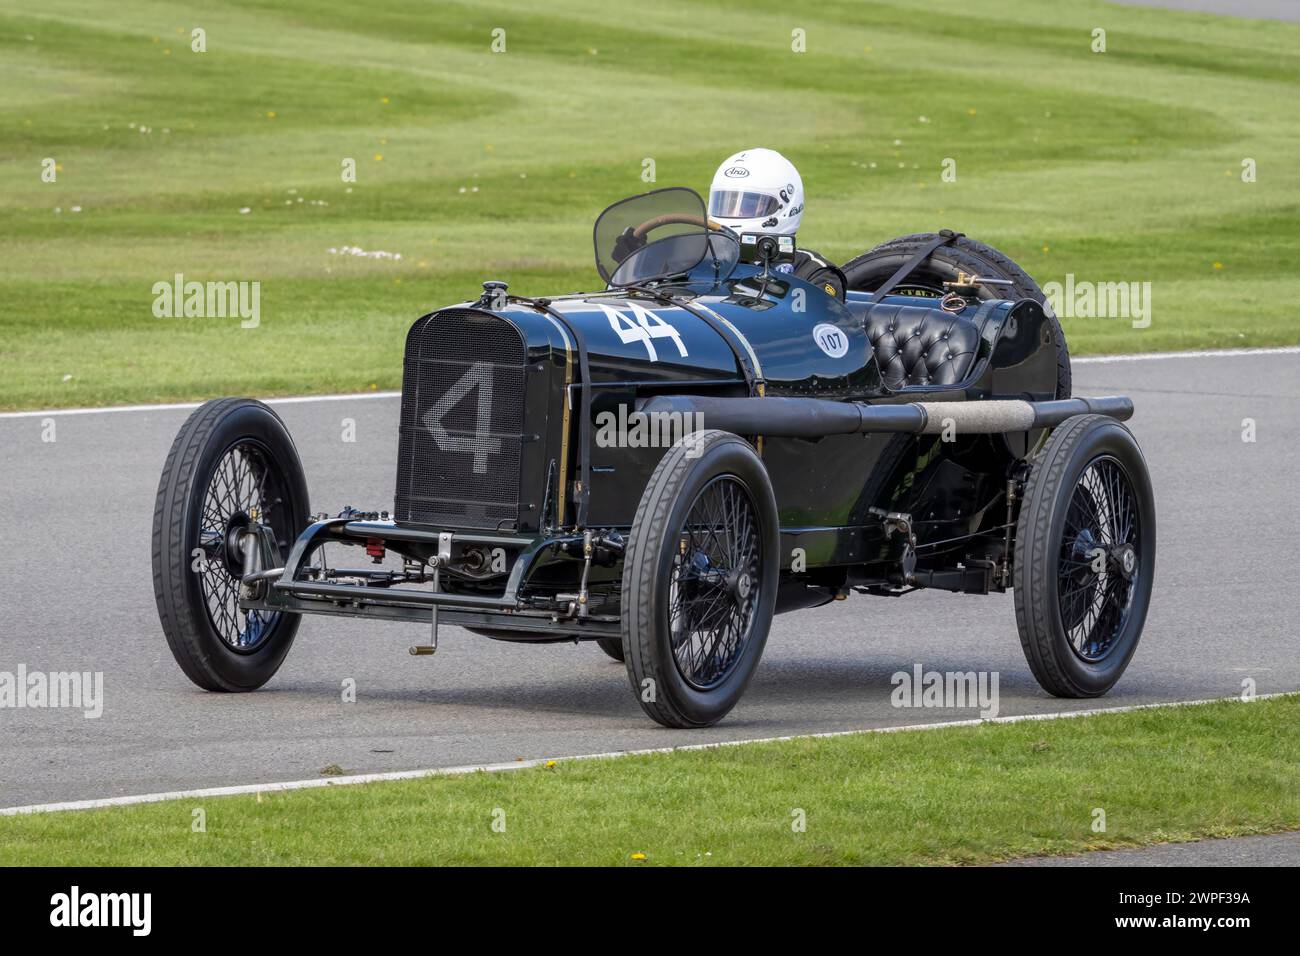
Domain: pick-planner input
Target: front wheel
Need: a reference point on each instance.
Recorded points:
(232, 463)
(699, 580)
(1084, 557)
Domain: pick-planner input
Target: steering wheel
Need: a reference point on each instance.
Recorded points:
(634, 241)
(671, 218)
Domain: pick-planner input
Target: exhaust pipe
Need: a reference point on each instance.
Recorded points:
(817, 417)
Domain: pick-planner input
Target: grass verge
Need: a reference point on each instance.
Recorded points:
(229, 164)
(958, 795)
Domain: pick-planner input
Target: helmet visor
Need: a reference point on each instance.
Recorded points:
(730, 204)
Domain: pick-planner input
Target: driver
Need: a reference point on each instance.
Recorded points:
(760, 191)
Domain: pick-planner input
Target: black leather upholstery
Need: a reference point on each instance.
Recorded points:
(918, 345)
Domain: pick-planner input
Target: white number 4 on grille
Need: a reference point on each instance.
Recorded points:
(482, 443)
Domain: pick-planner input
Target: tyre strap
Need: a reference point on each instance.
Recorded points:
(944, 237)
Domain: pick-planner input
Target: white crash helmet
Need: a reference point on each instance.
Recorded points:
(758, 190)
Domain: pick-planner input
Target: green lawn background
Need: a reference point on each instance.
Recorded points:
(1116, 166)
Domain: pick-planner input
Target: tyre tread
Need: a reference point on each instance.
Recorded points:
(1035, 548)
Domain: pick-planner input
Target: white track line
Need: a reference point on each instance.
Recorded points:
(180, 406)
(352, 779)
(298, 400)
(1204, 353)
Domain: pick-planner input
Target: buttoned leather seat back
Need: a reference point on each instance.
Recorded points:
(919, 345)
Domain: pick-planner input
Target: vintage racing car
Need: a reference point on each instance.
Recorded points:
(663, 465)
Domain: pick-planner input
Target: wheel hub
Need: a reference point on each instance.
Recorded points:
(713, 600)
(231, 553)
(1100, 565)
(1085, 545)
(1125, 558)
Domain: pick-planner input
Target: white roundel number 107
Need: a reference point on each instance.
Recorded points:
(643, 326)
(831, 340)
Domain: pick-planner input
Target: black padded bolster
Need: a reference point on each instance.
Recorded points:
(919, 345)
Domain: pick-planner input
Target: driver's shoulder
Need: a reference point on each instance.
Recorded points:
(811, 261)
(815, 268)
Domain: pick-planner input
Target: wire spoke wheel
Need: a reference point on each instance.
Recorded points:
(711, 590)
(1098, 568)
(243, 487)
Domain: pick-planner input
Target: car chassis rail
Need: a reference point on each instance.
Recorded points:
(268, 588)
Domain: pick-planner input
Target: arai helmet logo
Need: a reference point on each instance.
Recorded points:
(831, 340)
(736, 172)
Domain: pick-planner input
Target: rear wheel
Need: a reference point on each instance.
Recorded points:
(231, 463)
(1084, 557)
(870, 270)
(699, 580)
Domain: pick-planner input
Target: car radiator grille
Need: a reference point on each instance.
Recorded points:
(461, 435)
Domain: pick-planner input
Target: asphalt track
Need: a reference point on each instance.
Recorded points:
(1247, 9)
(76, 595)
(1278, 849)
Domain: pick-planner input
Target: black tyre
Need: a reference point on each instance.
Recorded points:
(699, 580)
(613, 646)
(1084, 557)
(232, 460)
(869, 271)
